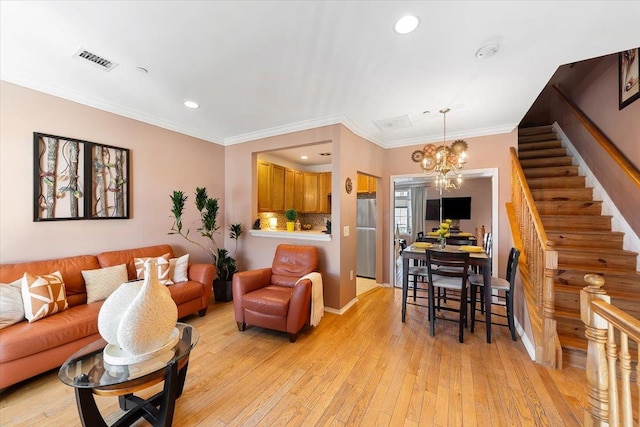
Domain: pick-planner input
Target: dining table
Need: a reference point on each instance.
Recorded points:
(476, 259)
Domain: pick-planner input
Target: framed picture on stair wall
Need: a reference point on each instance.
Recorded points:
(628, 76)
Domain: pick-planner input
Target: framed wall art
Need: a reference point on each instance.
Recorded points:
(58, 192)
(628, 77)
(75, 179)
(109, 182)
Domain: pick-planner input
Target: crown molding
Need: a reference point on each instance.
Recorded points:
(120, 110)
(473, 133)
(340, 118)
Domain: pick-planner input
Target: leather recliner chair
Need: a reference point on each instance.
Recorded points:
(270, 297)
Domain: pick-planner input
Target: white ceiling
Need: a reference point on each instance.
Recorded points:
(261, 68)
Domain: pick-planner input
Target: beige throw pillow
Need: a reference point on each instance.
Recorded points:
(43, 295)
(11, 305)
(163, 268)
(101, 282)
(179, 268)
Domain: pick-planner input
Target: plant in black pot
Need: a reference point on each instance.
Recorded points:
(226, 267)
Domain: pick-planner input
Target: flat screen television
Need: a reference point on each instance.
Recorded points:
(452, 208)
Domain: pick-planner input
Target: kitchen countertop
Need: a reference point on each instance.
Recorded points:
(301, 235)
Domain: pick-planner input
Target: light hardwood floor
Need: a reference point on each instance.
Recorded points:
(362, 368)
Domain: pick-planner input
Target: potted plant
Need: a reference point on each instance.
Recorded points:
(291, 216)
(208, 208)
(226, 267)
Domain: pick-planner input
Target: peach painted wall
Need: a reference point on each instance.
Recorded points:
(597, 95)
(359, 155)
(162, 161)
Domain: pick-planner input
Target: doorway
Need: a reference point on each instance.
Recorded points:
(479, 182)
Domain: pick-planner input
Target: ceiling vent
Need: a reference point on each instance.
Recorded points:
(393, 123)
(96, 60)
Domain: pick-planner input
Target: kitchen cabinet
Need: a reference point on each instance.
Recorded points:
(310, 197)
(264, 186)
(277, 188)
(324, 192)
(298, 191)
(271, 187)
(366, 183)
(281, 188)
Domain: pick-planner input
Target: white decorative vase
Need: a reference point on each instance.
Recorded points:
(138, 320)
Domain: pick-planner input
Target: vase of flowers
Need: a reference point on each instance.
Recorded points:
(444, 232)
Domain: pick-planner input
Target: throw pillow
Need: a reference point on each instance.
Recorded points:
(178, 269)
(100, 283)
(11, 305)
(43, 295)
(163, 268)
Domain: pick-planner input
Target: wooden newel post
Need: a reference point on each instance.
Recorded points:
(597, 412)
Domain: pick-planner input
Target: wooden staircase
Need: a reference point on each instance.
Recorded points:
(581, 234)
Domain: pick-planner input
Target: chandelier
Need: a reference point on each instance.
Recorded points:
(443, 161)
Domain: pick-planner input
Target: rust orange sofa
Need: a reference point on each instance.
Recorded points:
(28, 349)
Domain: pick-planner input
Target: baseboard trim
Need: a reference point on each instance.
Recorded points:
(528, 345)
(344, 309)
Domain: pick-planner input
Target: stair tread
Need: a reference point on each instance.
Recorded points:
(534, 130)
(561, 287)
(573, 216)
(595, 250)
(573, 342)
(611, 271)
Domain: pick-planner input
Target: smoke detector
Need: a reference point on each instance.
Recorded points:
(96, 60)
(487, 51)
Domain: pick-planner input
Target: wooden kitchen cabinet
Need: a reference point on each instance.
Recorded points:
(366, 183)
(281, 188)
(324, 192)
(264, 186)
(298, 191)
(310, 197)
(277, 188)
(271, 187)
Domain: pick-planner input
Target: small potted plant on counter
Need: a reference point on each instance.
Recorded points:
(291, 216)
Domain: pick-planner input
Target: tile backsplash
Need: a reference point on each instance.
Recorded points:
(317, 221)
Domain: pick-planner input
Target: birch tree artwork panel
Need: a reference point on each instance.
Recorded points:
(58, 178)
(109, 196)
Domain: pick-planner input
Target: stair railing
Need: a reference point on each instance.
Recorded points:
(608, 371)
(538, 269)
(609, 147)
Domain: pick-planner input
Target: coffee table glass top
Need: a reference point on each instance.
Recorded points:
(86, 368)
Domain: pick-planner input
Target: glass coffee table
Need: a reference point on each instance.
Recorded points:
(89, 374)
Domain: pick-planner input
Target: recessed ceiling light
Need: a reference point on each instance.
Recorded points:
(304, 157)
(191, 104)
(406, 24)
(142, 70)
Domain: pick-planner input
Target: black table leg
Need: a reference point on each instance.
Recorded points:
(486, 276)
(405, 286)
(157, 410)
(87, 408)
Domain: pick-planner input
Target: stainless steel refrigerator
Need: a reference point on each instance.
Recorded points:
(366, 234)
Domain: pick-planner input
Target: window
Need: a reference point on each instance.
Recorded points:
(402, 220)
(403, 211)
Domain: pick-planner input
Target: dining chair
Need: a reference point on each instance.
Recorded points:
(500, 285)
(448, 270)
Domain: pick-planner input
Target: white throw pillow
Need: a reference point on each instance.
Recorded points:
(11, 305)
(162, 263)
(101, 283)
(178, 269)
